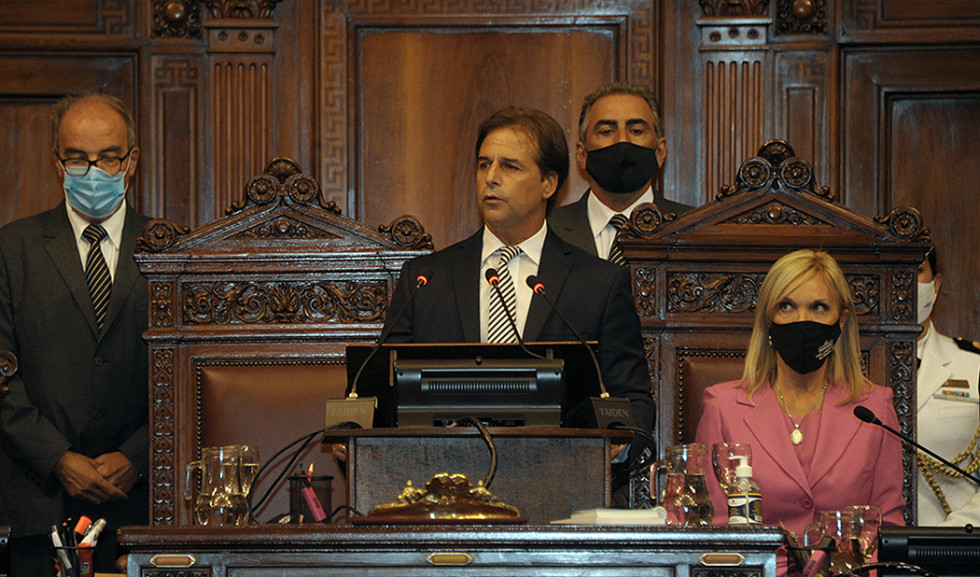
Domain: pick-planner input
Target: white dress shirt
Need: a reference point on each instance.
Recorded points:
(521, 267)
(599, 215)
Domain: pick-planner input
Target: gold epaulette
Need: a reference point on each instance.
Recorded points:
(971, 346)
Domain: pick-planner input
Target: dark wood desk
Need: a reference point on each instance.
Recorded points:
(449, 550)
(546, 472)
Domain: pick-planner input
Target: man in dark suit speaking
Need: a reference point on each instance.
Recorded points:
(522, 160)
(73, 308)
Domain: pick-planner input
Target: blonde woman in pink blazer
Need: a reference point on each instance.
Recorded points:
(795, 402)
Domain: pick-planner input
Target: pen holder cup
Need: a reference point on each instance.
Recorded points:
(81, 559)
(299, 512)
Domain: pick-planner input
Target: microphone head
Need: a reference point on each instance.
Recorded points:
(866, 415)
(492, 277)
(536, 286)
(423, 278)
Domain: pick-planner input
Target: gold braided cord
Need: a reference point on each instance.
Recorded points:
(930, 467)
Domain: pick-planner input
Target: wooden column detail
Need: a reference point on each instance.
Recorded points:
(240, 60)
(735, 80)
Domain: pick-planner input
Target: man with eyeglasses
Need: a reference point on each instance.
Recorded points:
(74, 428)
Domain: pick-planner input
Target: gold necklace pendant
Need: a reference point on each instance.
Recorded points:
(796, 435)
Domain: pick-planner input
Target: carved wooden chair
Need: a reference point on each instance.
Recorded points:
(249, 319)
(696, 279)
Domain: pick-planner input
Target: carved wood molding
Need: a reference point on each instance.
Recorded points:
(801, 17)
(283, 302)
(645, 292)
(901, 370)
(163, 437)
(241, 9)
(734, 7)
(176, 19)
(738, 292)
(776, 166)
(729, 293)
(162, 304)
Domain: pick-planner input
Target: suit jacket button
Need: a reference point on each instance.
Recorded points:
(807, 503)
(97, 415)
(99, 362)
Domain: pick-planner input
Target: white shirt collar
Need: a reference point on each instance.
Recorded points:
(112, 225)
(599, 214)
(531, 247)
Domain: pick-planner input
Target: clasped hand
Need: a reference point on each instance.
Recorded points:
(107, 477)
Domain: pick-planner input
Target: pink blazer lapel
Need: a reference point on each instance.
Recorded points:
(838, 426)
(768, 423)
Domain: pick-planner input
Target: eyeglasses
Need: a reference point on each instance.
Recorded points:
(81, 166)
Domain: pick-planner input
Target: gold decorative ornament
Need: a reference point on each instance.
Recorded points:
(446, 497)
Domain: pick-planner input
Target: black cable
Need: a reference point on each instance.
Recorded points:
(341, 508)
(307, 438)
(639, 462)
(490, 444)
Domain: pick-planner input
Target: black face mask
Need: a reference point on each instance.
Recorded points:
(623, 167)
(804, 345)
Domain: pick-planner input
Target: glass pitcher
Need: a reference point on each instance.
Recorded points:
(685, 496)
(854, 530)
(226, 476)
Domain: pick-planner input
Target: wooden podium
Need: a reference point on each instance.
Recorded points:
(545, 472)
(450, 550)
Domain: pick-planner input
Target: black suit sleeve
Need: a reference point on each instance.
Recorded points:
(621, 353)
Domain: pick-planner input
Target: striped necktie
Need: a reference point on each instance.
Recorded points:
(618, 221)
(96, 272)
(499, 328)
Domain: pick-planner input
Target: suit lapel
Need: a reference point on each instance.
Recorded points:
(552, 272)
(62, 248)
(465, 270)
(771, 433)
(838, 426)
(577, 230)
(127, 272)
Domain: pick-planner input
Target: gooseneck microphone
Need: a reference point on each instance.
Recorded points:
(493, 278)
(538, 288)
(866, 415)
(352, 410)
(606, 410)
(420, 281)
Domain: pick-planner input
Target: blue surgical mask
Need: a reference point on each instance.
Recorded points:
(97, 194)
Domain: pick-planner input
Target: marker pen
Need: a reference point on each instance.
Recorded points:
(92, 537)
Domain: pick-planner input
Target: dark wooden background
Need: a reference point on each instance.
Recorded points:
(380, 100)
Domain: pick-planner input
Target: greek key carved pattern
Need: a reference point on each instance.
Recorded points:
(161, 304)
(775, 213)
(162, 463)
(176, 19)
(812, 19)
(115, 16)
(645, 292)
(902, 364)
(286, 302)
(712, 292)
(903, 285)
(865, 13)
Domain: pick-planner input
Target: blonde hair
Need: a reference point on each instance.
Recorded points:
(785, 276)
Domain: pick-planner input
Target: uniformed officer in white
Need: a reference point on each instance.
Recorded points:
(948, 413)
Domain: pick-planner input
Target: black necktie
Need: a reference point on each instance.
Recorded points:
(96, 272)
(616, 251)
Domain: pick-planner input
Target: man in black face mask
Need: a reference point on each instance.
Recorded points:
(621, 147)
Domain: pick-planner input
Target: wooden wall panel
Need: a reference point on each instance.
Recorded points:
(802, 114)
(910, 137)
(32, 82)
(416, 144)
(387, 70)
(910, 21)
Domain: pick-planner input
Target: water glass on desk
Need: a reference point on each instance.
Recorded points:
(724, 460)
(685, 495)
